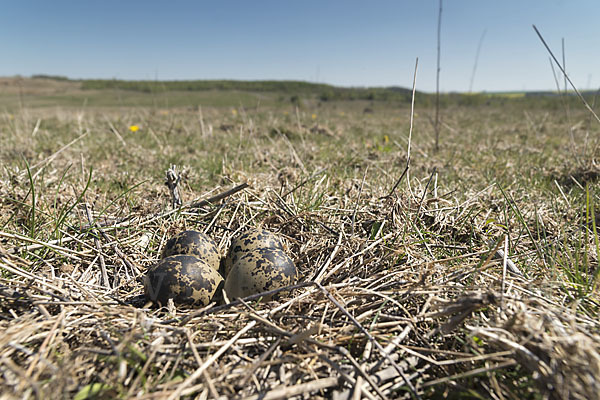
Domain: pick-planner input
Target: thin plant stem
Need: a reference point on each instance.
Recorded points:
(437, 81)
(585, 103)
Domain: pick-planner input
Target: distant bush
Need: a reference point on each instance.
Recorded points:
(295, 100)
(50, 77)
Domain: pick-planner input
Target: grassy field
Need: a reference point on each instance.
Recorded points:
(405, 293)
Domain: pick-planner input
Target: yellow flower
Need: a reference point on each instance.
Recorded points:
(386, 139)
(234, 111)
(285, 113)
(134, 128)
(314, 116)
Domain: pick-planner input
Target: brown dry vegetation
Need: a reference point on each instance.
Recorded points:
(402, 292)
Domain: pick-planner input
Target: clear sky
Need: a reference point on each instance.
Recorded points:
(341, 42)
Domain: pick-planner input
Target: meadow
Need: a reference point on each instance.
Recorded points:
(468, 271)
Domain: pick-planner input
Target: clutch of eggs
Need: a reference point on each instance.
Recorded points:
(188, 271)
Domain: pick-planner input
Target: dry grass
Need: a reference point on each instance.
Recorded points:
(401, 295)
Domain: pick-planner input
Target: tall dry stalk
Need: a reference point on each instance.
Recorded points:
(564, 65)
(476, 60)
(585, 103)
(410, 130)
(437, 81)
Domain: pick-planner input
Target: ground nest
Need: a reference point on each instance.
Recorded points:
(373, 315)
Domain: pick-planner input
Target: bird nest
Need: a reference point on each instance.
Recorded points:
(374, 315)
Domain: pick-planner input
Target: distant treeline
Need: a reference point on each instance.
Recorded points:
(324, 92)
(298, 90)
(161, 86)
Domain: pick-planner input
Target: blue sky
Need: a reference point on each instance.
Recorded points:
(346, 43)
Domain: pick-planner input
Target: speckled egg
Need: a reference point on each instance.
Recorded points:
(193, 243)
(259, 270)
(250, 240)
(187, 280)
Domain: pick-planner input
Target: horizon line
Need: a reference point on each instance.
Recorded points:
(316, 83)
